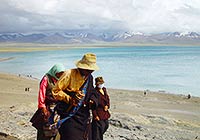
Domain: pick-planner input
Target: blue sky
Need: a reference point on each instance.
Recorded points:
(148, 16)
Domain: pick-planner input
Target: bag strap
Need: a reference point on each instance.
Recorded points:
(75, 109)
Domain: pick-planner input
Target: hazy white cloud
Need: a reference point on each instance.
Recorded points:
(136, 15)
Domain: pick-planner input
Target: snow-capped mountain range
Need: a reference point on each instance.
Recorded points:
(69, 37)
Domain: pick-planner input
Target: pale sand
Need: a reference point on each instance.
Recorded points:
(134, 116)
(29, 47)
(5, 59)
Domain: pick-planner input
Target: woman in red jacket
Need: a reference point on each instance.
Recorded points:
(46, 102)
(101, 114)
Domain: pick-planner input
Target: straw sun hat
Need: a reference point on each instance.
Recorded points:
(88, 62)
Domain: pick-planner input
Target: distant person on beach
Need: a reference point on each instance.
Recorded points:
(101, 114)
(189, 96)
(145, 93)
(77, 96)
(46, 102)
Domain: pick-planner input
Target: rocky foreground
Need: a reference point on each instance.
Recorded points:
(15, 122)
(135, 116)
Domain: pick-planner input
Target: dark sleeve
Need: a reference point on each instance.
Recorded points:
(92, 94)
(107, 97)
(94, 112)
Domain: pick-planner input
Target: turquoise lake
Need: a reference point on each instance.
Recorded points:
(170, 69)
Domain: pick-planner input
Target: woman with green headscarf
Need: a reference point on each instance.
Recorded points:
(46, 102)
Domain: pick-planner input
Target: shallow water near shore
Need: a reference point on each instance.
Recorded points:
(165, 69)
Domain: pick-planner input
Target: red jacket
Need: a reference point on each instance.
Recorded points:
(45, 85)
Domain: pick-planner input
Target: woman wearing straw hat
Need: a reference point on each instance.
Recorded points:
(77, 96)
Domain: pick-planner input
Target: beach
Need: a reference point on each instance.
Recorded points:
(134, 116)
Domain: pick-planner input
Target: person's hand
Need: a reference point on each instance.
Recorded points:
(97, 118)
(73, 101)
(106, 108)
(46, 113)
(77, 97)
(91, 103)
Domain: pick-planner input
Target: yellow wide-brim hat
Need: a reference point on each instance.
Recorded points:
(88, 62)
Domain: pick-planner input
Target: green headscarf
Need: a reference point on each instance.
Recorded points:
(56, 69)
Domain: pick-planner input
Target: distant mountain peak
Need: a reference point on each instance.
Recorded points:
(95, 37)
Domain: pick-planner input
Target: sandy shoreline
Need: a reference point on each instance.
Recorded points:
(29, 47)
(134, 115)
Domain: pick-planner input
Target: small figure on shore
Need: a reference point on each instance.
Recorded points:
(145, 93)
(189, 96)
(29, 75)
(46, 102)
(100, 114)
(27, 89)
